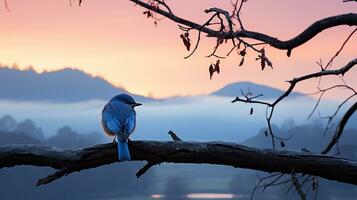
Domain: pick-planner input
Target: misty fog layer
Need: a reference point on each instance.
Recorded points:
(193, 118)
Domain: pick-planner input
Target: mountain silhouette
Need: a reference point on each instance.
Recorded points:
(234, 89)
(73, 85)
(66, 85)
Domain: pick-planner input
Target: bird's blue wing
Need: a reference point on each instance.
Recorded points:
(110, 123)
(114, 126)
(130, 123)
(119, 119)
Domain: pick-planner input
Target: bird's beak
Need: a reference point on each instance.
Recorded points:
(136, 104)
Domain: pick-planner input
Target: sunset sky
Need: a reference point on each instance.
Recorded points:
(114, 40)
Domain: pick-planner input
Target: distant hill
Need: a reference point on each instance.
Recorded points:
(66, 85)
(307, 136)
(234, 89)
(72, 85)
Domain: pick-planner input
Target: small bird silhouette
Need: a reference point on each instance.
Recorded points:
(119, 120)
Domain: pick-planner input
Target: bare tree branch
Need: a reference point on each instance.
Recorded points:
(340, 127)
(220, 153)
(349, 19)
(145, 168)
(329, 64)
(293, 83)
(297, 185)
(221, 34)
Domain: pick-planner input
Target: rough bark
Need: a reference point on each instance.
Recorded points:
(220, 153)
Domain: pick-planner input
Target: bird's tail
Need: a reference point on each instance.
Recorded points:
(123, 150)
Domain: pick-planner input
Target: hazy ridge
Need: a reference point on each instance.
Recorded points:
(73, 85)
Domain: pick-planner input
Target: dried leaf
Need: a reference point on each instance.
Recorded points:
(183, 38)
(211, 71)
(270, 64)
(262, 63)
(241, 61)
(262, 58)
(186, 42)
(217, 68)
(214, 68)
(251, 110)
(243, 52)
(148, 13)
(188, 46)
(266, 133)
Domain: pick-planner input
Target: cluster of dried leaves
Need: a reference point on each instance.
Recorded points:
(152, 15)
(264, 60)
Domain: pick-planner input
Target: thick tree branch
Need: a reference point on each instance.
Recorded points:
(220, 153)
(349, 19)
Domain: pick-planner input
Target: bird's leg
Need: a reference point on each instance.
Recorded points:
(114, 139)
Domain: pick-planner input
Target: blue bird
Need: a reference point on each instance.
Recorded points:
(119, 120)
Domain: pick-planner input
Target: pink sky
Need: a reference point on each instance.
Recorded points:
(114, 40)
